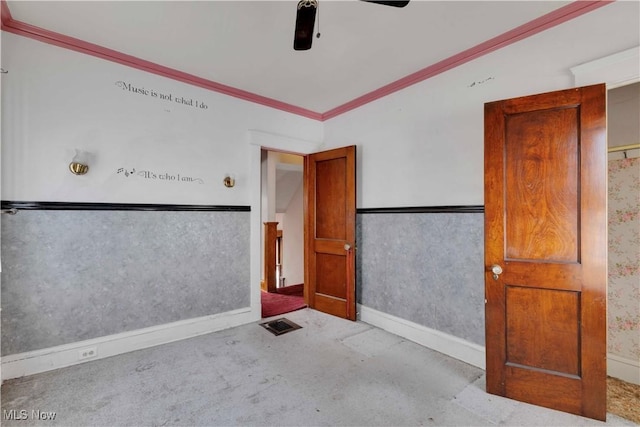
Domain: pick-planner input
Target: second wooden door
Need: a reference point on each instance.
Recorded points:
(330, 215)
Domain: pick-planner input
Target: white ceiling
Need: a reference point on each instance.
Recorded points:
(248, 45)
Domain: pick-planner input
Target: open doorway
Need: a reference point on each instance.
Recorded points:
(329, 203)
(623, 135)
(282, 215)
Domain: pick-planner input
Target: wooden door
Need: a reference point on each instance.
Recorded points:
(330, 220)
(545, 228)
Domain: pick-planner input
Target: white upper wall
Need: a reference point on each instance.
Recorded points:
(424, 145)
(56, 100)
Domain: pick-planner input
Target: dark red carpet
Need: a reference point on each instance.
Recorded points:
(284, 300)
(296, 290)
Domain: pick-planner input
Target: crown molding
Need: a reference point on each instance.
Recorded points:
(24, 29)
(551, 19)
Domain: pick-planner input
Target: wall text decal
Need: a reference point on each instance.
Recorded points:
(146, 174)
(141, 90)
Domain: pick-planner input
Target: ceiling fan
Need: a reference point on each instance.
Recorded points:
(306, 18)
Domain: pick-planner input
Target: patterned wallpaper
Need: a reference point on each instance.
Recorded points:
(69, 276)
(624, 258)
(427, 268)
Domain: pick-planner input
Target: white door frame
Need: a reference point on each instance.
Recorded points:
(619, 69)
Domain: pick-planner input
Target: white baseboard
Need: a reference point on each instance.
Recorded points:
(33, 362)
(474, 354)
(625, 369)
(450, 345)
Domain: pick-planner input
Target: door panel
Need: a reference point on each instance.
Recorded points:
(552, 341)
(331, 198)
(541, 166)
(545, 227)
(330, 206)
(330, 273)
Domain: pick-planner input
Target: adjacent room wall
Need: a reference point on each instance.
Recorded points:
(624, 265)
(293, 240)
(623, 128)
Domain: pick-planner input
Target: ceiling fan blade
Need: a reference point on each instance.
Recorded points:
(305, 20)
(389, 2)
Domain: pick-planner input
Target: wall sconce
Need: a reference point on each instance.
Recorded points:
(229, 181)
(79, 163)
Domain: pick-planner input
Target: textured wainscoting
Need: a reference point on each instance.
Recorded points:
(69, 276)
(427, 268)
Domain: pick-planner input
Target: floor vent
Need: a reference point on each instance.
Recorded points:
(280, 326)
